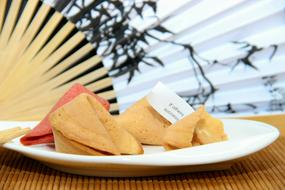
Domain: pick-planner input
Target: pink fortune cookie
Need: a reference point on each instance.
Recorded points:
(42, 133)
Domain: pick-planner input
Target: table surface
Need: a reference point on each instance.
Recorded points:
(262, 170)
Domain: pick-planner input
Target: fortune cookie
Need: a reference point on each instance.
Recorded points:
(124, 141)
(65, 145)
(180, 134)
(143, 122)
(208, 129)
(83, 126)
(42, 133)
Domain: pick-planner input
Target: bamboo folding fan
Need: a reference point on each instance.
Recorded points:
(227, 55)
(42, 54)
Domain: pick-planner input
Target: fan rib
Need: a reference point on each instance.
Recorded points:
(3, 5)
(108, 94)
(61, 52)
(34, 26)
(26, 65)
(37, 92)
(44, 56)
(41, 101)
(68, 62)
(101, 84)
(24, 21)
(78, 69)
(39, 58)
(92, 76)
(68, 75)
(114, 107)
(10, 23)
(36, 113)
(24, 42)
(20, 28)
(42, 37)
(55, 41)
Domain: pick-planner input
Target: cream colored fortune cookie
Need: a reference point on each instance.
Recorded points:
(83, 126)
(208, 129)
(124, 141)
(180, 134)
(143, 122)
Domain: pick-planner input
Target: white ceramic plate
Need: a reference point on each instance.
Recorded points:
(245, 137)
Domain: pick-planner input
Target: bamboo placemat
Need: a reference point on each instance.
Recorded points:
(263, 170)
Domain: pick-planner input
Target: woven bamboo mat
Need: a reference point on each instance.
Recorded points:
(263, 170)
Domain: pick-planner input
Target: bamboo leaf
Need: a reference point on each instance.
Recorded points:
(152, 5)
(162, 29)
(275, 48)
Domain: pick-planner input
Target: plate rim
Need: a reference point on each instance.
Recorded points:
(145, 160)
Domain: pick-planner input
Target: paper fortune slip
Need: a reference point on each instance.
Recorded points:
(166, 102)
